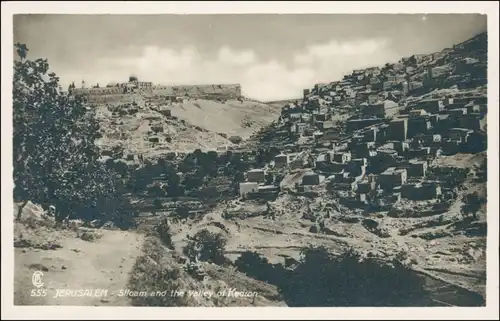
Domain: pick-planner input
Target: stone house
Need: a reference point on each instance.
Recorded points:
(421, 191)
(256, 175)
(247, 188)
(281, 160)
(392, 177)
(312, 179)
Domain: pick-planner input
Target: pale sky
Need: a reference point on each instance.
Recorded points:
(272, 56)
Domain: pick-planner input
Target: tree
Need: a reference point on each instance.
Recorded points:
(256, 266)
(238, 178)
(182, 212)
(412, 61)
(188, 164)
(208, 163)
(164, 233)
(318, 255)
(269, 179)
(156, 189)
(206, 246)
(482, 171)
(322, 279)
(157, 203)
(55, 156)
(249, 260)
(174, 187)
(192, 181)
(451, 177)
(150, 275)
(472, 204)
(278, 179)
(260, 159)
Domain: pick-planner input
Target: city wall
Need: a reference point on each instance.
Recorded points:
(228, 90)
(105, 94)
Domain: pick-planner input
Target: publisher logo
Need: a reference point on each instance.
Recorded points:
(36, 279)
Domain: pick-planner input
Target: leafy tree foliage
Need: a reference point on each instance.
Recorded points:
(56, 160)
(257, 266)
(322, 279)
(450, 177)
(206, 246)
(164, 233)
(348, 280)
(482, 171)
(269, 179)
(182, 212)
(278, 179)
(472, 204)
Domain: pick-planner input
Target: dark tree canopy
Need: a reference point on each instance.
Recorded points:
(472, 204)
(206, 246)
(322, 279)
(56, 160)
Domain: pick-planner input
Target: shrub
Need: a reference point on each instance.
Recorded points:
(321, 279)
(163, 230)
(157, 203)
(348, 280)
(206, 246)
(151, 275)
(472, 204)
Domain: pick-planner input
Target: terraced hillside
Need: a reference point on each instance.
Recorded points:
(141, 128)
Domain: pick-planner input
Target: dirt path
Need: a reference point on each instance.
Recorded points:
(101, 267)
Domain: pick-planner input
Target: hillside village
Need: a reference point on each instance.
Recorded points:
(372, 144)
(379, 168)
(394, 128)
(382, 161)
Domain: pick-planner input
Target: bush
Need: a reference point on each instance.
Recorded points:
(451, 177)
(482, 171)
(89, 236)
(155, 190)
(151, 274)
(206, 246)
(256, 266)
(182, 212)
(321, 279)
(163, 230)
(157, 203)
(472, 204)
(347, 280)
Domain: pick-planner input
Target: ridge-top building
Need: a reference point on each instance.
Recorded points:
(148, 89)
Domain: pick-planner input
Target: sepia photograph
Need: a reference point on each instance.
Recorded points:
(250, 159)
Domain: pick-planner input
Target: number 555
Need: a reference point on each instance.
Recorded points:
(39, 292)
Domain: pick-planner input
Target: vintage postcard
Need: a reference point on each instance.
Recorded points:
(236, 159)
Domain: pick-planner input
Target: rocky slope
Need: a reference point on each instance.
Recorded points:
(198, 123)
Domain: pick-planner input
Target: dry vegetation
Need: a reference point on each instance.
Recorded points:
(160, 269)
(196, 124)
